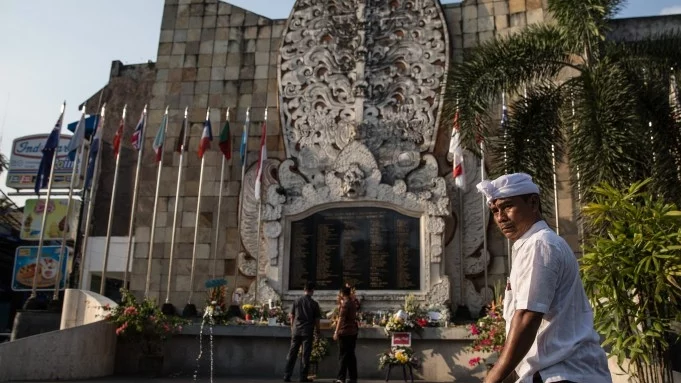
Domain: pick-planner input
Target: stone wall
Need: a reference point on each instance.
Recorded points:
(640, 28)
(211, 54)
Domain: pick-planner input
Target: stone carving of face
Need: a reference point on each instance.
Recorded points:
(353, 182)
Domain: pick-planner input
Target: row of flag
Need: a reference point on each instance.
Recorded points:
(225, 144)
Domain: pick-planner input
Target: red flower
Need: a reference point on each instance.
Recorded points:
(422, 322)
(131, 310)
(474, 361)
(166, 328)
(121, 329)
(474, 330)
(486, 342)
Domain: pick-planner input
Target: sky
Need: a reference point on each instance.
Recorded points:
(62, 50)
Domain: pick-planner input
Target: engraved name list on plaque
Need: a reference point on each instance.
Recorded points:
(370, 248)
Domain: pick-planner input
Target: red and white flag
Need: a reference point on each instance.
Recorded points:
(456, 151)
(119, 135)
(262, 158)
(206, 136)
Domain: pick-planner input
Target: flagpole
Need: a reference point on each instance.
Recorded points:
(257, 260)
(244, 161)
(190, 308)
(579, 187)
(167, 307)
(217, 224)
(112, 205)
(133, 209)
(153, 217)
(503, 111)
(34, 286)
(484, 220)
(67, 228)
(91, 201)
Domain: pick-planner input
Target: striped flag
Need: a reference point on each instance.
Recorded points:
(118, 137)
(180, 144)
(136, 138)
(456, 151)
(160, 138)
(243, 148)
(261, 159)
(51, 144)
(206, 136)
(226, 141)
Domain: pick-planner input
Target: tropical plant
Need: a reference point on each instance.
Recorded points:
(632, 275)
(572, 89)
(142, 323)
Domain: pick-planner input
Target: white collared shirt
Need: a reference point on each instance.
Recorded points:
(545, 278)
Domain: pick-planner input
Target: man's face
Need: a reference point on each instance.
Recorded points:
(514, 215)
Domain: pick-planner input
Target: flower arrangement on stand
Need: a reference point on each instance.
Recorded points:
(410, 318)
(489, 334)
(320, 350)
(398, 356)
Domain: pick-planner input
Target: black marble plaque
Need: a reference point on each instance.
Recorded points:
(370, 248)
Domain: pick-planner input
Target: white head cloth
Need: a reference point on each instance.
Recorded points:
(509, 185)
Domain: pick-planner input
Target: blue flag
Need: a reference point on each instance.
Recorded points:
(92, 160)
(243, 148)
(77, 138)
(51, 144)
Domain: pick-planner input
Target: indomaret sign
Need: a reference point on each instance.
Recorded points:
(25, 160)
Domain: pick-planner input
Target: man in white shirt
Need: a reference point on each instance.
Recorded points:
(550, 336)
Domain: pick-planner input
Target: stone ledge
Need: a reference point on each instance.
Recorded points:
(458, 333)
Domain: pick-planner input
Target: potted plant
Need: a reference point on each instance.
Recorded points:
(143, 324)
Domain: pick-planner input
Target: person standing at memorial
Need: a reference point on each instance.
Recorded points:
(346, 336)
(550, 335)
(305, 317)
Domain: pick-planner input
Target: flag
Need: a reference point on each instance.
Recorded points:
(261, 160)
(51, 144)
(226, 141)
(179, 144)
(136, 138)
(77, 138)
(118, 137)
(456, 151)
(243, 148)
(160, 137)
(94, 149)
(206, 136)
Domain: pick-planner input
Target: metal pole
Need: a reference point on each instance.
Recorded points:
(484, 220)
(241, 197)
(503, 111)
(217, 224)
(67, 227)
(555, 189)
(196, 225)
(133, 209)
(112, 205)
(579, 187)
(153, 217)
(177, 203)
(91, 201)
(34, 286)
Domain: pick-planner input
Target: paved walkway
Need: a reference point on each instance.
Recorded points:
(123, 379)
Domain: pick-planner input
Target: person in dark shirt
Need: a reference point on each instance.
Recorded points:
(305, 316)
(346, 335)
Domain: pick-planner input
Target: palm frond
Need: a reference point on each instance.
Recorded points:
(604, 142)
(532, 136)
(659, 52)
(538, 53)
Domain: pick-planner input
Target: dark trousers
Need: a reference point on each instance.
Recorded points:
(347, 358)
(296, 341)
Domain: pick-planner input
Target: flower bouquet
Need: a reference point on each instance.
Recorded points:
(489, 333)
(401, 322)
(143, 323)
(249, 311)
(398, 356)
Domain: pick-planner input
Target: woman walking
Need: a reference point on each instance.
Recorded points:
(346, 335)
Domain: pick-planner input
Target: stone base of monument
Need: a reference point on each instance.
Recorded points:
(260, 352)
(29, 322)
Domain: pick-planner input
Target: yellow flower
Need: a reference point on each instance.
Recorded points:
(401, 357)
